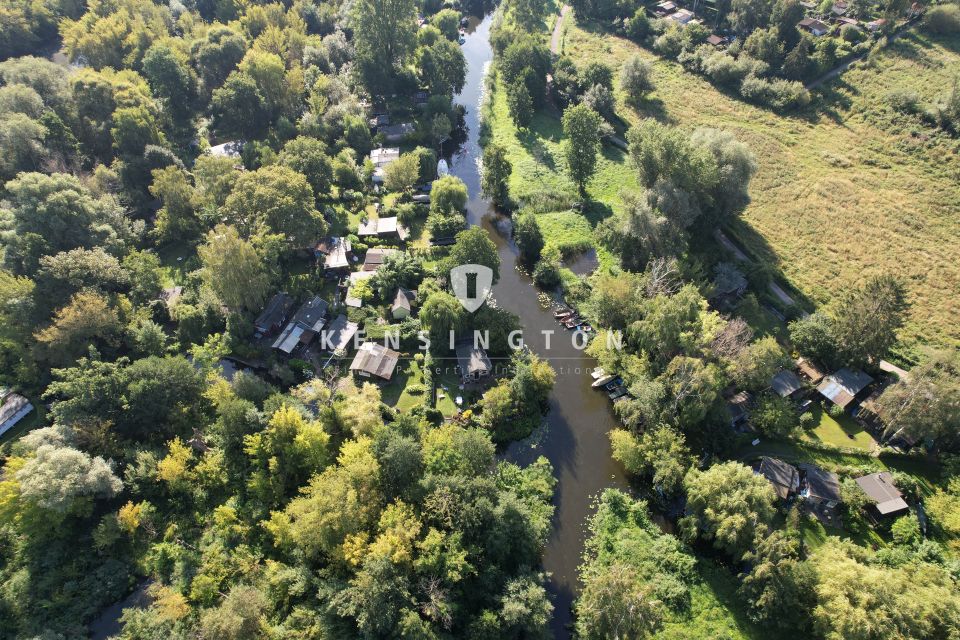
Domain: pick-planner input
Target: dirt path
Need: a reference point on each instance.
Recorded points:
(558, 30)
(729, 245)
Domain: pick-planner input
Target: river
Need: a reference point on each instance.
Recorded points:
(574, 437)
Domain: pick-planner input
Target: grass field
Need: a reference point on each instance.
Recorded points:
(840, 432)
(847, 189)
(716, 611)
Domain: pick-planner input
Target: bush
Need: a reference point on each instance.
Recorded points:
(835, 411)
(415, 389)
(779, 94)
(943, 19)
(904, 101)
(807, 420)
(726, 70)
(635, 79)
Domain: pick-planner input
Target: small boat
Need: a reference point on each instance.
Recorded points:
(598, 373)
(605, 380)
(464, 21)
(573, 322)
(559, 313)
(563, 317)
(617, 393)
(586, 328)
(461, 39)
(442, 168)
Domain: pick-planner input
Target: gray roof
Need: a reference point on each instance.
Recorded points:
(376, 360)
(337, 252)
(376, 257)
(842, 386)
(785, 383)
(783, 476)
(881, 489)
(821, 484)
(230, 149)
(338, 334)
(403, 299)
(472, 359)
(14, 408)
(305, 323)
(274, 313)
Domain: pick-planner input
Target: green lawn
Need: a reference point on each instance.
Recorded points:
(840, 432)
(397, 394)
(716, 611)
(447, 384)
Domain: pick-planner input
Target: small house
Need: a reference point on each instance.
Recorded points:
(664, 8)
(716, 41)
(374, 361)
(403, 303)
(844, 386)
(875, 25)
(375, 258)
(336, 253)
(839, 8)
(782, 475)
(880, 488)
(681, 17)
(381, 158)
(738, 406)
(848, 22)
(303, 326)
(388, 228)
(813, 27)
(13, 408)
(338, 334)
(397, 132)
(472, 361)
(820, 487)
(785, 383)
(274, 314)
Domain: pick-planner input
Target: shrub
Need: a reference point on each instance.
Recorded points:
(415, 389)
(807, 420)
(635, 79)
(835, 411)
(779, 94)
(943, 19)
(726, 70)
(904, 101)
(638, 27)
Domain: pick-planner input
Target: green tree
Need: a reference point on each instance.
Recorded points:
(581, 126)
(402, 173)
(779, 587)
(87, 319)
(728, 505)
(275, 200)
(660, 453)
(866, 320)
(177, 218)
(441, 313)
(233, 269)
(217, 54)
(442, 67)
(170, 79)
(448, 195)
(474, 246)
(926, 404)
(756, 365)
(529, 238)
(520, 104)
(495, 179)
(384, 33)
(238, 108)
(774, 416)
(635, 79)
(308, 157)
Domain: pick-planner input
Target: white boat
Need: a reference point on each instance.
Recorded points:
(597, 373)
(442, 168)
(604, 380)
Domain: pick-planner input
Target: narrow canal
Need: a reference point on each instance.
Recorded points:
(574, 438)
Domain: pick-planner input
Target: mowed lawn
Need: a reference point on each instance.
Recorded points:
(845, 190)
